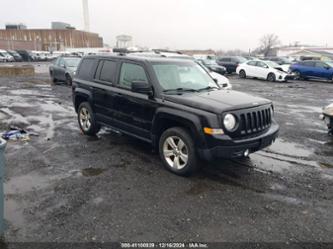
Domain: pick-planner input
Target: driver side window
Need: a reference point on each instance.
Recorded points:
(130, 72)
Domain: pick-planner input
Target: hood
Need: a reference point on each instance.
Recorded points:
(217, 101)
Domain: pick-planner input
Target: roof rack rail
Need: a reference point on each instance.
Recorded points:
(166, 51)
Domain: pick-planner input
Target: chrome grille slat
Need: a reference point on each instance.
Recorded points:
(253, 121)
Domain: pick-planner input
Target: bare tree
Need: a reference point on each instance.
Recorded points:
(268, 43)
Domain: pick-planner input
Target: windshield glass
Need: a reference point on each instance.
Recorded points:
(271, 63)
(183, 75)
(72, 62)
(330, 63)
(241, 59)
(210, 62)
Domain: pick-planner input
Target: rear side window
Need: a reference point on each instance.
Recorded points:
(225, 59)
(309, 63)
(321, 64)
(108, 71)
(131, 72)
(252, 63)
(86, 69)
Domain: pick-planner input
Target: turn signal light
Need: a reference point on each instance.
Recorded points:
(211, 131)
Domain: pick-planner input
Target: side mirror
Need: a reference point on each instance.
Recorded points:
(141, 87)
(327, 67)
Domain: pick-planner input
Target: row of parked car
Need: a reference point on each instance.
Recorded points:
(277, 68)
(26, 55)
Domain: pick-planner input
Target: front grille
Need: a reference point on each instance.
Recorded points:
(255, 121)
(252, 121)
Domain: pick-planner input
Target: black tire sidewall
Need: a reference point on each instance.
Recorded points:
(68, 79)
(193, 162)
(242, 74)
(271, 77)
(94, 128)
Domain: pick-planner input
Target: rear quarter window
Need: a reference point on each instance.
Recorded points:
(87, 69)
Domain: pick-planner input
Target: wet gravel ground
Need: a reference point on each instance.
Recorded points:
(63, 186)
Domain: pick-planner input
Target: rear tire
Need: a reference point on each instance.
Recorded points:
(177, 151)
(242, 74)
(271, 77)
(53, 79)
(68, 80)
(87, 120)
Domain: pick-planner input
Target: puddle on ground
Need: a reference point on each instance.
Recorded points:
(325, 165)
(28, 182)
(14, 214)
(285, 199)
(92, 171)
(287, 148)
(273, 165)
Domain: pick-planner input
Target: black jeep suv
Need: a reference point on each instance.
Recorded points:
(173, 104)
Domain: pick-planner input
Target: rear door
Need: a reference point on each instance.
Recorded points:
(60, 69)
(308, 69)
(251, 69)
(103, 91)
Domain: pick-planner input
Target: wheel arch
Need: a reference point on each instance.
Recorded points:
(80, 96)
(167, 118)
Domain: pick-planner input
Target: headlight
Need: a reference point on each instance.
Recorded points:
(229, 122)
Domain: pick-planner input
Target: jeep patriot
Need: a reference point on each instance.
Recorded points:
(174, 105)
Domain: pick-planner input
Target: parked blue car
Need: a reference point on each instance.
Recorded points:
(313, 69)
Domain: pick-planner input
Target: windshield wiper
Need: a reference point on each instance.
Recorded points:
(180, 89)
(208, 88)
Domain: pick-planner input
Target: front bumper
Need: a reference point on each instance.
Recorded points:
(231, 148)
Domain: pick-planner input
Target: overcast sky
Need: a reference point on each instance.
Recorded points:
(185, 24)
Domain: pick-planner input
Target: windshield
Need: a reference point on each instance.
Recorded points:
(330, 63)
(210, 62)
(183, 76)
(241, 59)
(272, 64)
(72, 62)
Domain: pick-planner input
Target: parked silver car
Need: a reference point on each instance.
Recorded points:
(64, 68)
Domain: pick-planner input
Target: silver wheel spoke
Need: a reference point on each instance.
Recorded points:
(168, 153)
(176, 162)
(172, 143)
(180, 145)
(183, 157)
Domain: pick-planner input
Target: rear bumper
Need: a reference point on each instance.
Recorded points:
(228, 148)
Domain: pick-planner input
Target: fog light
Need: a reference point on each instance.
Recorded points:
(246, 153)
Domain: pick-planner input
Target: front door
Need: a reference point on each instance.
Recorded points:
(133, 112)
(322, 70)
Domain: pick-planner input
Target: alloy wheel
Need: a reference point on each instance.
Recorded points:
(175, 152)
(85, 119)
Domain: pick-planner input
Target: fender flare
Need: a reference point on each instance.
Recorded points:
(189, 120)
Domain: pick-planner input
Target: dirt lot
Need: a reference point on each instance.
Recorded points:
(63, 186)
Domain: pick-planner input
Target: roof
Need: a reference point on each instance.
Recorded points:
(140, 58)
(314, 52)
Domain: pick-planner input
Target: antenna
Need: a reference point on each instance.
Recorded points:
(86, 15)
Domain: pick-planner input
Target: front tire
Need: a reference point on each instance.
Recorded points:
(271, 77)
(86, 119)
(177, 151)
(242, 74)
